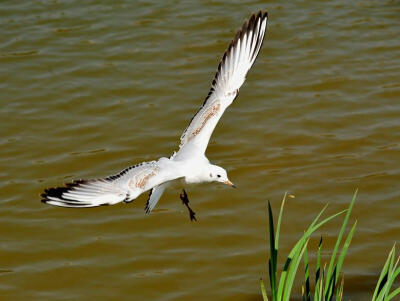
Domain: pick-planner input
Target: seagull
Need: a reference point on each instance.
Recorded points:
(189, 164)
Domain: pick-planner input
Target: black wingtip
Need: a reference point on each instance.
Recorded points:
(44, 197)
(260, 14)
(56, 192)
(146, 208)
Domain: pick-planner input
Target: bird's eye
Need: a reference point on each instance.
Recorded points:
(218, 176)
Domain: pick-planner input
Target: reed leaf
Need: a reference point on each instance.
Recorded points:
(391, 280)
(292, 272)
(318, 272)
(300, 243)
(273, 254)
(263, 290)
(278, 226)
(392, 273)
(345, 248)
(394, 293)
(339, 293)
(338, 241)
(307, 293)
(382, 277)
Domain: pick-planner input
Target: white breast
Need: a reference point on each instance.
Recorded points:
(194, 169)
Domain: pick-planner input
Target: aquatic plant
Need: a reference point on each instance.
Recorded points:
(328, 281)
(389, 273)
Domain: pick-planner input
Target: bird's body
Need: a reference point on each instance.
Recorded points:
(194, 170)
(190, 163)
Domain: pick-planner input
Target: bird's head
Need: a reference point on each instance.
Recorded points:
(218, 174)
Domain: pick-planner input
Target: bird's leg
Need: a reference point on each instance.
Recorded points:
(185, 202)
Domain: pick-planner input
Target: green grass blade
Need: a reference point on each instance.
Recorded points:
(318, 271)
(318, 216)
(271, 280)
(382, 291)
(338, 241)
(273, 254)
(263, 290)
(312, 228)
(300, 243)
(394, 294)
(392, 276)
(270, 272)
(307, 292)
(391, 280)
(283, 278)
(331, 286)
(321, 285)
(344, 250)
(278, 226)
(382, 277)
(292, 272)
(389, 274)
(289, 262)
(310, 231)
(339, 293)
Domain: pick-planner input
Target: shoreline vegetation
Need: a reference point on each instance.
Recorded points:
(328, 282)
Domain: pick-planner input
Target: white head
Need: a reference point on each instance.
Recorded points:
(218, 174)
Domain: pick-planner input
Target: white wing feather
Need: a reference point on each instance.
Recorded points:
(124, 186)
(231, 74)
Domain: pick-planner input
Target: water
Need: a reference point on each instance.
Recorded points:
(90, 88)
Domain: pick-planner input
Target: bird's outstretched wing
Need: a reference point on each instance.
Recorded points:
(124, 186)
(231, 74)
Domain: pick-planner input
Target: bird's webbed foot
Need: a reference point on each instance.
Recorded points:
(185, 201)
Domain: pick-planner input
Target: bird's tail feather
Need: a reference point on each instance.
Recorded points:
(154, 197)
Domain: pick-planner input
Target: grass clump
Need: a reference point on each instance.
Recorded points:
(389, 273)
(328, 283)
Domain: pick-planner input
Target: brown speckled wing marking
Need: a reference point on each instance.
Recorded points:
(140, 180)
(207, 115)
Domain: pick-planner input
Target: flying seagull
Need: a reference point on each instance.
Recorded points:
(190, 163)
